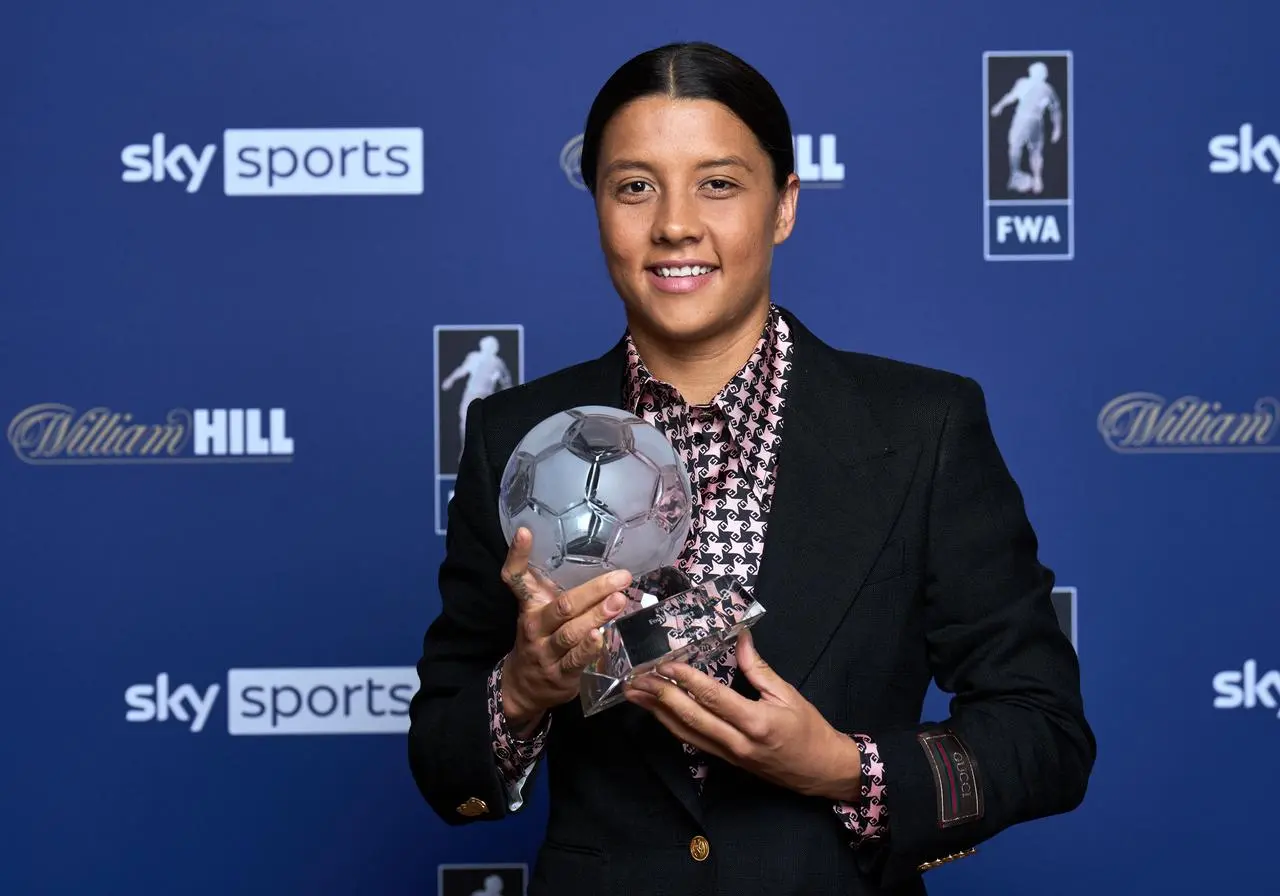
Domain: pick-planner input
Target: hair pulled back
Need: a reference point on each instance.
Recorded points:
(694, 71)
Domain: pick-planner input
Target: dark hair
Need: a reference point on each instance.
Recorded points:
(695, 71)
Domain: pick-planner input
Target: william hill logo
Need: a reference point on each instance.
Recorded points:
(1144, 422)
(59, 434)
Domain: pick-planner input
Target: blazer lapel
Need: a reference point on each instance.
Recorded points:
(840, 484)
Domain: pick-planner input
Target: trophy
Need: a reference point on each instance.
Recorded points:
(600, 489)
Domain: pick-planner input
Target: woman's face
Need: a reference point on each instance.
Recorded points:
(688, 216)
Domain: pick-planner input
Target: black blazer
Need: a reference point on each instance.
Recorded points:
(898, 549)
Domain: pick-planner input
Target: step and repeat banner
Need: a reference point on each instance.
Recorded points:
(257, 257)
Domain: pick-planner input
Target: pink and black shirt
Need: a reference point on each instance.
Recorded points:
(730, 447)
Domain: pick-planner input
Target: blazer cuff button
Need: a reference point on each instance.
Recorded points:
(938, 863)
(473, 807)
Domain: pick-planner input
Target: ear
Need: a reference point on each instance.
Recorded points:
(785, 220)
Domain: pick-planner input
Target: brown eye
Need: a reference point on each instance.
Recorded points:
(720, 187)
(634, 189)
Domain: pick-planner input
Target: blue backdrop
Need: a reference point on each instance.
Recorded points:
(242, 244)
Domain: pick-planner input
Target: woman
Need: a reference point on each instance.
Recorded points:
(864, 502)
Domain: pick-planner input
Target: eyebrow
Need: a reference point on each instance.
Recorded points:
(722, 162)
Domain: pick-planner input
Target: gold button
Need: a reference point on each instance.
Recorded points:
(473, 807)
(699, 848)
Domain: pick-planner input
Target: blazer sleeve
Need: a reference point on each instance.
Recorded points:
(451, 741)
(1016, 745)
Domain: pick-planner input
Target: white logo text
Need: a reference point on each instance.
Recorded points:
(156, 703)
(151, 161)
(238, 431)
(1243, 153)
(824, 168)
(1028, 228)
(289, 162)
(335, 700)
(1237, 689)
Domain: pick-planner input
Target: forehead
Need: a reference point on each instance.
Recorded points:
(662, 127)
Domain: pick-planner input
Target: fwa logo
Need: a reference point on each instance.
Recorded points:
(1149, 423)
(325, 700)
(60, 434)
(1028, 179)
(817, 161)
(472, 361)
(287, 162)
(1243, 153)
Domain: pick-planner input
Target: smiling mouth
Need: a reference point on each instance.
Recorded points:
(695, 270)
(681, 279)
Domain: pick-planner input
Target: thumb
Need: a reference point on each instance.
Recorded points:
(758, 672)
(523, 579)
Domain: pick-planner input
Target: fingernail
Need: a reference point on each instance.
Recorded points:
(620, 578)
(615, 602)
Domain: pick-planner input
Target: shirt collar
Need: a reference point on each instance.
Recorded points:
(755, 380)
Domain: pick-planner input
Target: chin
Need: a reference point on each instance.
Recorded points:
(689, 318)
(681, 318)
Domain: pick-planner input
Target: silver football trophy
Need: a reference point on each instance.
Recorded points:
(601, 489)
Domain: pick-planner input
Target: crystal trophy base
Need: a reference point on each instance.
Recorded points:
(693, 626)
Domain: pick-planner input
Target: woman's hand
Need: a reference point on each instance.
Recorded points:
(781, 737)
(556, 635)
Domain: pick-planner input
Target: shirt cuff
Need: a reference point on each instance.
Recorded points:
(515, 758)
(868, 818)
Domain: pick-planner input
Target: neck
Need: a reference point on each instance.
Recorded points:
(699, 370)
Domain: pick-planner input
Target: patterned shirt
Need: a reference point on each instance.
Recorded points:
(730, 446)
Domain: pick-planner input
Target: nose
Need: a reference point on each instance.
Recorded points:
(676, 219)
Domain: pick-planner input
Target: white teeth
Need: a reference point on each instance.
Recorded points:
(686, 271)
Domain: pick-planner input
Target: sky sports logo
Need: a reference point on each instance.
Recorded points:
(329, 700)
(1247, 688)
(287, 162)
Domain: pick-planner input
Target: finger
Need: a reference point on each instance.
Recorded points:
(668, 720)
(572, 633)
(758, 672)
(569, 604)
(682, 715)
(712, 695)
(515, 569)
(685, 727)
(541, 585)
(582, 653)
